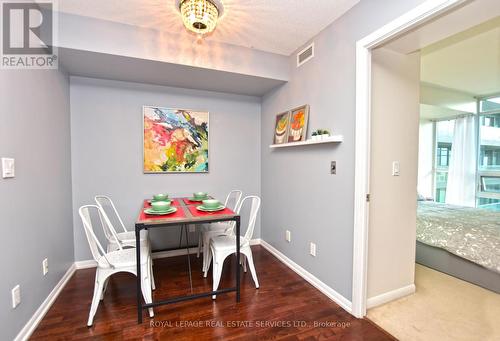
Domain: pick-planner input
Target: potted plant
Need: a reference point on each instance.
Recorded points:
(320, 134)
(324, 133)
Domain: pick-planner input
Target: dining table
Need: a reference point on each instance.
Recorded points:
(187, 214)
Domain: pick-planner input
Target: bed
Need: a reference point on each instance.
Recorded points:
(461, 241)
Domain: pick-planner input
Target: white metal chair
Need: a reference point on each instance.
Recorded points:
(115, 239)
(125, 238)
(109, 263)
(223, 246)
(208, 231)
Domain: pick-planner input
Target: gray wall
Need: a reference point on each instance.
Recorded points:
(300, 175)
(35, 130)
(106, 133)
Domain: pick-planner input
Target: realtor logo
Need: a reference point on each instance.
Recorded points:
(28, 35)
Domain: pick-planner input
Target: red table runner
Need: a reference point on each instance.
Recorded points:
(191, 202)
(197, 213)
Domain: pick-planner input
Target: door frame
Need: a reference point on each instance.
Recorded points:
(426, 11)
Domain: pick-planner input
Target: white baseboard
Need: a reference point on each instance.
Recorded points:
(313, 280)
(256, 241)
(375, 301)
(85, 264)
(33, 322)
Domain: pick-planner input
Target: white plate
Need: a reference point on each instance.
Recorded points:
(153, 212)
(204, 209)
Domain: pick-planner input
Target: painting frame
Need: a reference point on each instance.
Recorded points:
(293, 132)
(281, 138)
(145, 171)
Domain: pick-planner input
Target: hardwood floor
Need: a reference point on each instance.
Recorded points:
(284, 308)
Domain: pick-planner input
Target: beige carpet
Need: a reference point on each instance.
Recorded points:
(443, 308)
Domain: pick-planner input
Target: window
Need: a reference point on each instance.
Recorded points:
(490, 184)
(488, 195)
(488, 161)
(444, 138)
(489, 204)
(443, 154)
(489, 136)
(489, 104)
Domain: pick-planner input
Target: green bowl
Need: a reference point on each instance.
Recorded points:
(160, 197)
(211, 203)
(200, 195)
(160, 206)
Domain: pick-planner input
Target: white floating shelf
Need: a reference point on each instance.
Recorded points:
(330, 139)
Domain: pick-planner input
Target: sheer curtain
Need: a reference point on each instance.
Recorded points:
(460, 188)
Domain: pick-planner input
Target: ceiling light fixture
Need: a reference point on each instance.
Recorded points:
(200, 16)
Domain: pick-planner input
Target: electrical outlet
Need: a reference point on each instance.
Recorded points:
(45, 266)
(312, 249)
(288, 236)
(16, 296)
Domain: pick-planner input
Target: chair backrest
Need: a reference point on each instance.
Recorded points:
(254, 202)
(233, 198)
(95, 246)
(109, 230)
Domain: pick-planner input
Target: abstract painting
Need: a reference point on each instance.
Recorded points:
(298, 124)
(175, 140)
(281, 128)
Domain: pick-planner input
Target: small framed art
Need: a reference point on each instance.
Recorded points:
(281, 128)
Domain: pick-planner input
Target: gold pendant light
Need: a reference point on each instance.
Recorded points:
(200, 16)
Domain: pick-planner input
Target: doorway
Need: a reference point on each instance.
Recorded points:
(429, 22)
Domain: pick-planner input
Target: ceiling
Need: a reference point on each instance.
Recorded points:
(434, 112)
(468, 61)
(277, 26)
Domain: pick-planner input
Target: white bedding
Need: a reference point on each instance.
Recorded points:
(470, 233)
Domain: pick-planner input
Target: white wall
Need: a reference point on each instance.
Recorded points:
(106, 142)
(394, 137)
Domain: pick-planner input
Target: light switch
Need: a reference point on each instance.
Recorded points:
(8, 168)
(395, 168)
(16, 296)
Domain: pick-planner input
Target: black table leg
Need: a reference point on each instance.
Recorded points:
(237, 259)
(180, 238)
(189, 258)
(138, 261)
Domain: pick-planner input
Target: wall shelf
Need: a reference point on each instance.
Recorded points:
(330, 139)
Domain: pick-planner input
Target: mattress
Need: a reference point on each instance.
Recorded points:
(470, 233)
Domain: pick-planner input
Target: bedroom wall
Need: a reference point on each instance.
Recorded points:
(393, 199)
(106, 133)
(299, 193)
(34, 130)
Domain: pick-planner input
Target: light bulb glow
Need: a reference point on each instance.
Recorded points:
(199, 16)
